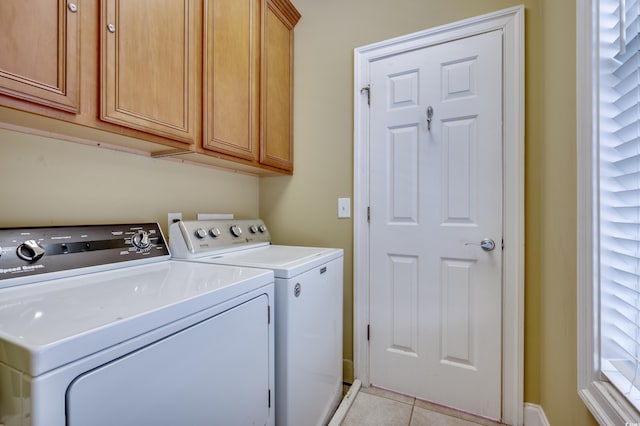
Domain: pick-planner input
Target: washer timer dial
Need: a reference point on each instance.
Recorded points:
(141, 240)
(236, 231)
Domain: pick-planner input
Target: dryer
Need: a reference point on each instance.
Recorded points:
(308, 308)
(99, 327)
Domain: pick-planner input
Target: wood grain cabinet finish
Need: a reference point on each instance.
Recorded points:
(150, 66)
(231, 77)
(248, 80)
(207, 81)
(39, 52)
(276, 143)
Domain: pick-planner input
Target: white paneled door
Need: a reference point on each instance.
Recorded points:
(436, 210)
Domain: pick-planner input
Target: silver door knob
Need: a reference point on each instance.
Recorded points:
(487, 244)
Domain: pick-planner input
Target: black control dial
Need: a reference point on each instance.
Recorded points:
(30, 251)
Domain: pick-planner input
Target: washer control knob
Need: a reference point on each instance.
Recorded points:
(253, 229)
(262, 228)
(214, 232)
(30, 251)
(236, 231)
(200, 233)
(141, 240)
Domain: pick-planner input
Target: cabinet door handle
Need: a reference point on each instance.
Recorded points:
(111, 28)
(72, 7)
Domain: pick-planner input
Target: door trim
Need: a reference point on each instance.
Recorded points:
(511, 22)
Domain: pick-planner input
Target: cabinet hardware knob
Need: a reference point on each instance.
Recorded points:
(111, 28)
(73, 7)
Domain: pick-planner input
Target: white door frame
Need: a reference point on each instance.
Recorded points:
(511, 22)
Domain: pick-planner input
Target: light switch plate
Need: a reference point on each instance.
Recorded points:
(344, 207)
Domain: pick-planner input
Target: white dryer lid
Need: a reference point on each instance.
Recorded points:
(51, 323)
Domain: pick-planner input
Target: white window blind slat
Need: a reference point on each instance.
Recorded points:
(619, 194)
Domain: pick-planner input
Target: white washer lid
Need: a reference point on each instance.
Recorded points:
(284, 261)
(48, 324)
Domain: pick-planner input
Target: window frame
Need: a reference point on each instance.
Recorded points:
(606, 404)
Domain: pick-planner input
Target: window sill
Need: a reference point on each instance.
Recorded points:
(608, 406)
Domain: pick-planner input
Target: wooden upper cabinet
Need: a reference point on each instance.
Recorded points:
(231, 77)
(276, 144)
(151, 66)
(39, 51)
(248, 78)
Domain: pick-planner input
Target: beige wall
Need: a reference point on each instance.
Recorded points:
(50, 182)
(302, 208)
(45, 181)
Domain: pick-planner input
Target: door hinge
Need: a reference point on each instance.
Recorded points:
(368, 331)
(368, 213)
(268, 314)
(367, 88)
(269, 398)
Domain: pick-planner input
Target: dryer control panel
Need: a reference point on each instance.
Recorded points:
(198, 238)
(35, 254)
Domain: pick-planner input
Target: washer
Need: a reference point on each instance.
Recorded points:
(99, 327)
(308, 309)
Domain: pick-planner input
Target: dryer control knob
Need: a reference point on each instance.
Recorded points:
(236, 231)
(200, 233)
(30, 251)
(214, 232)
(253, 229)
(262, 228)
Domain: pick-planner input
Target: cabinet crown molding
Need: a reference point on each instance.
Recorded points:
(288, 10)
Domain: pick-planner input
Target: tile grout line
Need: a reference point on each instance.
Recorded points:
(431, 407)
(413, 406)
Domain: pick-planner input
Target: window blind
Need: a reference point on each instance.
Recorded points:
(619, 195)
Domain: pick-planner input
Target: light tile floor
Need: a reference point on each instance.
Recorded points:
(374, 406)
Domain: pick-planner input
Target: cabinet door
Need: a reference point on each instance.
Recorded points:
(150, 66)
(39, 51)
(276, 144)
(231, 77)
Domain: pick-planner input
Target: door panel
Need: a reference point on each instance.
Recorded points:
(232, 77)
(435, 194)
(276, 144)
(40, 54)
(150, 66)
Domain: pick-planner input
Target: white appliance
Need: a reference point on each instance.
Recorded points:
(308, 309)
(99, 327)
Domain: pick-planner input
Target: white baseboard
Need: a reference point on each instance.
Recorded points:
(534, 415)
(345, 404)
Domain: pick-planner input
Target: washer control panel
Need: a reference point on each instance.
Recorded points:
(196, 238)
(29, 254)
